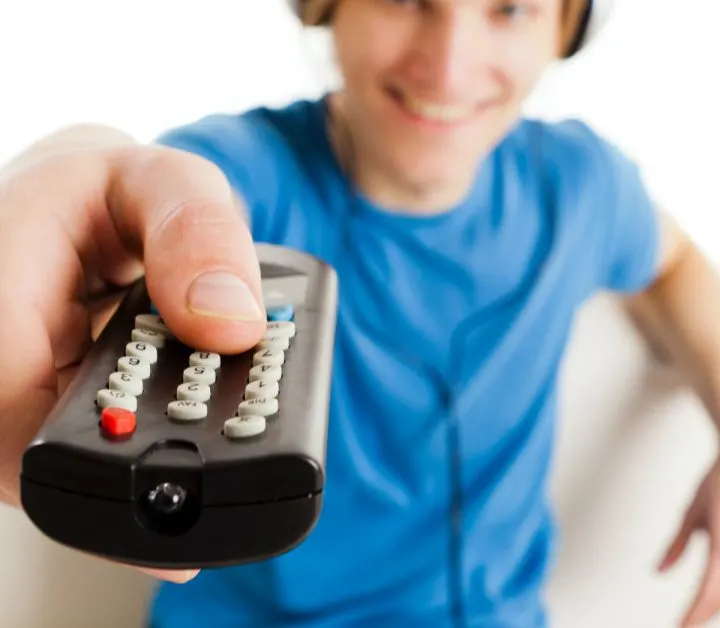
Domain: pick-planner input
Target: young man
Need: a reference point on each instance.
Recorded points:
(465, 239)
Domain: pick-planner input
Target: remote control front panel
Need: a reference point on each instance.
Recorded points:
(161, 455)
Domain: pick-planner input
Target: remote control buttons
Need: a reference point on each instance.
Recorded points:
(203, 358)
(281, 313)
(260, 406)
(274, 342)
(142, 350)
(187, 410)
(261, 388)
(117, 421)
(240, 427)
(193, 391)
(136, 366)
(200, 374)
(154, 338)
(273, 357)
(268, 372)
(280, 328)
(107, 398)
(126, 382)
(152, 322)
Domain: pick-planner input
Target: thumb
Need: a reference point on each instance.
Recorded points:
(201, 270)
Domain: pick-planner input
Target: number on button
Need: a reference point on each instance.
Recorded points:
(204, 358)
(134, 365)
(261, 388)
(107, 398)
(193, 391)
(150, 337)
(269, 356)
(270, 372)
(127, 382)
(200, 374)
(142, 350)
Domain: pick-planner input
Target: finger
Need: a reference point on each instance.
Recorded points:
(707, 600)
(679, 543)
(200, 264)
(177, 577)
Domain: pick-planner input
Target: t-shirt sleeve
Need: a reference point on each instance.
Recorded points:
(622, 213)
(249, 152)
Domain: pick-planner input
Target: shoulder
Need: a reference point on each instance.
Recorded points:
(251, 133)
(570, 147)
(263, 152)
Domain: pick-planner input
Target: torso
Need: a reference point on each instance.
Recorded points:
(450, 334)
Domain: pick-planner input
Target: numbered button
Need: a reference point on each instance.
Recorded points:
(193, 391)
(187, 410)
(200, 374)
(152, 322)
(280, 328)
(204, 358)
(274, 357)
(269, 372)
(240, 427)
(261, 388)
(275, 342)
(126, 382)
(142, 350)
(136, 366)
(154, 338)
(107, 398)
(260, 406)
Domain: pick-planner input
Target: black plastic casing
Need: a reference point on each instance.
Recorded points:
(244, 500)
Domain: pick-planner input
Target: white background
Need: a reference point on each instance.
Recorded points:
(650, 84)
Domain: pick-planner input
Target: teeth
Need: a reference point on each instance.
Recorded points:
(436, 112)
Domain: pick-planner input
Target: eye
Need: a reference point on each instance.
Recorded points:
(405, 3)
(511, 11)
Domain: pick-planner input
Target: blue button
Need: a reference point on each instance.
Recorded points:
(284, 313)
(153, 310)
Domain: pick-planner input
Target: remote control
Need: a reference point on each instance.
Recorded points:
(161, 455)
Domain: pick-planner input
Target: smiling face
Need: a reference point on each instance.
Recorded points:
(430, 86)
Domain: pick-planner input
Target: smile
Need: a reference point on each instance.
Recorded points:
(435, 113)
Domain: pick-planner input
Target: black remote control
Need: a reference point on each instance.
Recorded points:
(163, 456)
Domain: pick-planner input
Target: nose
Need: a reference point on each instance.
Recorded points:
(449, 50)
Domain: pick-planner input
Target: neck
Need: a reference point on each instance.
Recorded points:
(382, 186)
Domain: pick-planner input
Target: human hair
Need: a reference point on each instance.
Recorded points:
(319, 13)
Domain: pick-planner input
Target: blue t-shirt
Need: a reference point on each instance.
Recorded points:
(450, 335)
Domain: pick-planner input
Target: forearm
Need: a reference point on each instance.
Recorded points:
(682, 310)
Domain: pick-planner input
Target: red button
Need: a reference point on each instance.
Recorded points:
(117, 421)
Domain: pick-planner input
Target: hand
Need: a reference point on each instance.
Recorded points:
(74, 224)
(703, 514)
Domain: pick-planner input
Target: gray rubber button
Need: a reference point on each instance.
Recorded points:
(260, 406)
(204, 358)
(154, 338)
(187, 410)
(240, 427)
(193, 391)
(136, 366)
(126, 382)
(142, 350)
(201, 374)
(107, 398)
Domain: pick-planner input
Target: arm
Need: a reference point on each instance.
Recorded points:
(680, 312)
